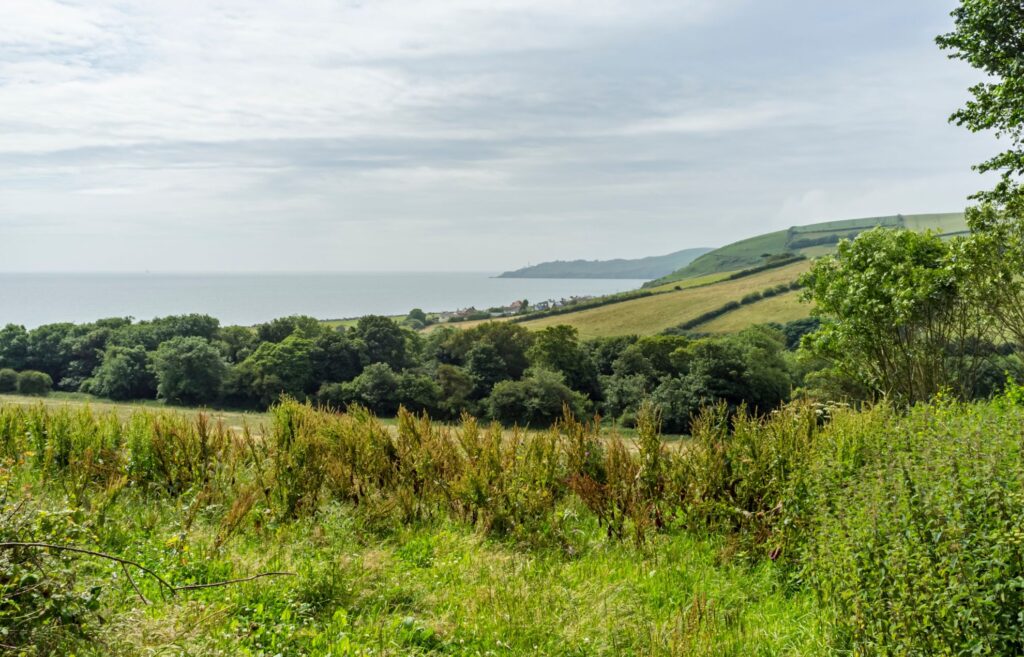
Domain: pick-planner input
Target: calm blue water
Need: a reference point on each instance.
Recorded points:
(34, 299)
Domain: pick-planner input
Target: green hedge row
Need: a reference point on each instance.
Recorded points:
(585, 305)
(28, 382)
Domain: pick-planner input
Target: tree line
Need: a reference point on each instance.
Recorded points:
(497, 370)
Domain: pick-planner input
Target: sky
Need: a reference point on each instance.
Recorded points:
(476, 135)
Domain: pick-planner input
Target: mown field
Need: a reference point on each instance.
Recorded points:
(780, 309)
(651, 315)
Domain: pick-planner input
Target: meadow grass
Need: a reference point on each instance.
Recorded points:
(942, 223)
(814, 530)
(780, 309)
(696, 281)
(125, 409)
(426, 539)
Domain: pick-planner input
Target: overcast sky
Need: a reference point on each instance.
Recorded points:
(174, 135)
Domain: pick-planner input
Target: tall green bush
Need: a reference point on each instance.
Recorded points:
(31, 382)
(8, 380)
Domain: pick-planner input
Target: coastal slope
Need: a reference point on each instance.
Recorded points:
(639, 268)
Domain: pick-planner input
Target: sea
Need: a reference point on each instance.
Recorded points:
(33, 299)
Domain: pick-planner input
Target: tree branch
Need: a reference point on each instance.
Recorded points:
(128, 562)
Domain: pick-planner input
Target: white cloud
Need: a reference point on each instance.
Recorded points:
(495, 131)
(741, 116)
(98, 72)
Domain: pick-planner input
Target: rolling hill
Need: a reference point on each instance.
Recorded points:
(640, 268)
(721, 279)
(655, 313)
(811, 240)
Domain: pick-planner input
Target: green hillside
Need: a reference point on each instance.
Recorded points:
(658, 312)
(778, 309)
(640, 268)
(811, 240)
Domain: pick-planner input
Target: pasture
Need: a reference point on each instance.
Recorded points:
(779, 309)
(651, 315)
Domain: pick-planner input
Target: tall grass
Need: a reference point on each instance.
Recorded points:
(868, 531)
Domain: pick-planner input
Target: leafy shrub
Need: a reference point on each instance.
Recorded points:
(31, 382)
(189, 370)
(43, 602)
(537, 400)
(124, 373)
(917, 531)
(8, 380)
(376, 388)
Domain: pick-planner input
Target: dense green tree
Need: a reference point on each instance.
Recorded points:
(8, 380)
(336, 358)
(419, 393)
(125, 373)
(604, 352)
(236, 343)
(768, 376)
(151, 333)
(382, 341)
(444, 344)
(623, 393)
(85, 353)
(510, 341)
(31, 382)
(536, 400)
(896, 317)
(417, 315)
(989, 35)
(376, 388)
(558, 349)
(659, 350)
(50, 348)
(718, 369)
(278, 329)
(795, 330)
(279, 368)
(678, 400)
(633, 362)
(189, 370)
(13, 347)
(456, 386)
(486, 367)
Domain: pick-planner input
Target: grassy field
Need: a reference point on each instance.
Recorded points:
(677, 301)
(738, 255)
(352, 321)
(651, 315)
(944, 224)
(692, 282)
(236, 420)
(78, 401)
(780, 309)
(751, 251)
(516, 567)
(853, 532)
